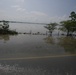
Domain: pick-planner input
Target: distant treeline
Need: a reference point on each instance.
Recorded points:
(23, 22)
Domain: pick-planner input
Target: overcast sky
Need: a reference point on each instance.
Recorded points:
(36, 10)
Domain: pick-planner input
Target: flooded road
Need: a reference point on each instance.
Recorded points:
(46, 66)
(27, 54)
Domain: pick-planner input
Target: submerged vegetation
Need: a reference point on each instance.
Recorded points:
(68, 43)
(2, 31)
(4, 28)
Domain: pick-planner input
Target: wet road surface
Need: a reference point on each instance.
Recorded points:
(65, 65)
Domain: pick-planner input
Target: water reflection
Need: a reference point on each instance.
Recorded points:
(35, 45)
(49, 39)
(68, 43)
(4, 37)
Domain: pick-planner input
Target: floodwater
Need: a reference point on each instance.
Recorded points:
(28, 45)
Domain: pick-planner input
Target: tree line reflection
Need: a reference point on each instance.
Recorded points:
(68, 43)
(5, 37)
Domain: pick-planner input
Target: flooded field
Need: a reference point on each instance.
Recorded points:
(17, 53)
(21, 45)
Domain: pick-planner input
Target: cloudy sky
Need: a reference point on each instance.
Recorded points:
(36, 10)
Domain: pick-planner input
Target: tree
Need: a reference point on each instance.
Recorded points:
(51, 27)
(66, 26)
(5, 25)
(70, 25)
(73, 16)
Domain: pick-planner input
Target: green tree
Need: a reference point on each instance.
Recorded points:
(5, 25)
(70, 25)
(73, 16)
(51, 27)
